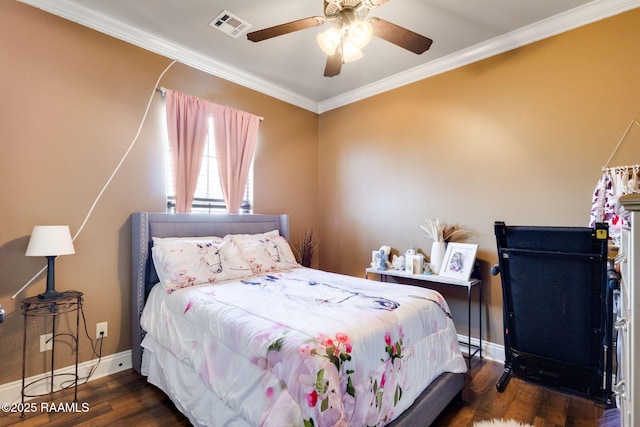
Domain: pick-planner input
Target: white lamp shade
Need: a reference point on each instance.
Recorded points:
(50, 240)
(350, 52)
(329, 40)
(360, 33)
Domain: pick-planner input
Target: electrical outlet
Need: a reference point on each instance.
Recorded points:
(46, 342)
(101, 330)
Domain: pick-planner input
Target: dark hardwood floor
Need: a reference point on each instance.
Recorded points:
(523, 401)
(126, 399)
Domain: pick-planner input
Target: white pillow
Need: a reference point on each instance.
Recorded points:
(186, 262)
(265, 252)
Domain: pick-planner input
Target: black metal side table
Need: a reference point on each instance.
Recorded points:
(67, 302)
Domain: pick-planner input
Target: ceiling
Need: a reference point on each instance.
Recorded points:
(290, 67)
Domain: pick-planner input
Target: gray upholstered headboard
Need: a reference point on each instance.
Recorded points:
(146, 225)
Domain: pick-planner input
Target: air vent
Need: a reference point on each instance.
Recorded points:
(230, 24)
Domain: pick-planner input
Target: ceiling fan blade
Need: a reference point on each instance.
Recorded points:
(400, 36)
(334, 65)
(289, 27)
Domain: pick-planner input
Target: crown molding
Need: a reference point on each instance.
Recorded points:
(583, 15)
(89, 18)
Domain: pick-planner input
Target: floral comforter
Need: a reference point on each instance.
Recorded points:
(304, 347)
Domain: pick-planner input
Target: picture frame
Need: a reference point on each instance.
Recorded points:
(459, 260)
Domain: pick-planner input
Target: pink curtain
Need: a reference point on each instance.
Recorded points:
(236, 135)
(187, 126)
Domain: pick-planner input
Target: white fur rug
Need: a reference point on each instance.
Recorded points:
(500, 423)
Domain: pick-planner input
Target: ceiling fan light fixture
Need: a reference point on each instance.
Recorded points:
(329, 41)
(351, 32)
(360, 33)
(350, 52)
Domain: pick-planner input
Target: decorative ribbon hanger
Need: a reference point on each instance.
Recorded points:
(628, 168)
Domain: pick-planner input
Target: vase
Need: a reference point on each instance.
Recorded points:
(437, 256)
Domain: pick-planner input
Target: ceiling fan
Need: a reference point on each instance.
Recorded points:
(352, 31)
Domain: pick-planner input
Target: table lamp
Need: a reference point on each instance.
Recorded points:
(50, 241)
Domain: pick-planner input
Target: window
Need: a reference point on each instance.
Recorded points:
(208, 197)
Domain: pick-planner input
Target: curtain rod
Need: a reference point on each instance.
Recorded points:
(163, 93)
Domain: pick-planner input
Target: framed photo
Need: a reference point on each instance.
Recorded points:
(459, 260)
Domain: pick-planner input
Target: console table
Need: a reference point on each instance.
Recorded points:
(434, 278)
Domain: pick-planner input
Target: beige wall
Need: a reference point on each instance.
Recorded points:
(520, 137)
(71, 101)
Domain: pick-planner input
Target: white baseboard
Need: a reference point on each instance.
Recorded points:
(111, 364)
(490, 351)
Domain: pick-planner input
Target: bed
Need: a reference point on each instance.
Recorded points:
(271, 343)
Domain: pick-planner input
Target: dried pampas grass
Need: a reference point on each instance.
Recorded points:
(305, 248)
(438, 231)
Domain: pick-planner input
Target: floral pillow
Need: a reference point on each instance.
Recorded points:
(265, 252)
(186, 262)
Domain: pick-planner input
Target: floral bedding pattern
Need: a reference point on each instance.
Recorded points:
(181, 263)
(383, 392)
(185, 262)
(309, 348)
